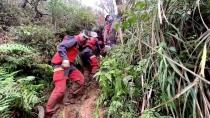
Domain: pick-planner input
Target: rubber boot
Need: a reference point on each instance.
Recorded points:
(69, 97)
(87, 77)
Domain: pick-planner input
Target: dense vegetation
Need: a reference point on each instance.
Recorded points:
(161, 69)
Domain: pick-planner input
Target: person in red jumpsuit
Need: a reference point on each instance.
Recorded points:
(64, 69)
(89, 58)
(109, 34)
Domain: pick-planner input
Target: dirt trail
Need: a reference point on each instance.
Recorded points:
(84, 107)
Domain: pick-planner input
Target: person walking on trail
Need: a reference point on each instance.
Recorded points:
(100, 41)
(89, 58)
(110, 38)
(64, 68)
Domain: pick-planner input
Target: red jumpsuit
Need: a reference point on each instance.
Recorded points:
(89, 59)
(68, 49)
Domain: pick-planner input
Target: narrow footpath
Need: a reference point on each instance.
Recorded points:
(84, 107)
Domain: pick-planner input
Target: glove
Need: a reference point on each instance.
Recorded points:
(65, 63)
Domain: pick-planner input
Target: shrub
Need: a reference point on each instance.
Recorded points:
(13, 15)
(82, 19)
(38, 37)
(168, 58)
(71, 18)
(118, 81)
(14, 56)
(18, 55)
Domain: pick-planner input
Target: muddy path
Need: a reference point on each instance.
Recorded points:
(84, 106)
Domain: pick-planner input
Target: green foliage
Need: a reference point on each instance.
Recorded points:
(15, 54)
(43, 71)
(71, 18)
(83, 19)
(163, 44)
(13, 15)
(15, 57)
(18, 94)
(19, 91)
(117, 85)
(38, 37)
(152, 114)
(15, 48)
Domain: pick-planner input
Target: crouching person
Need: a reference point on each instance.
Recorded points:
(89, 57)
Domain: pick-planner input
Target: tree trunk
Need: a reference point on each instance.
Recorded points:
(38, 13)
(34, 5)
(119, 4)
(24, 3)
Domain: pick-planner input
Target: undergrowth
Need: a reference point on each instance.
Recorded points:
(18, 94)
(23, 80)
(161, 67)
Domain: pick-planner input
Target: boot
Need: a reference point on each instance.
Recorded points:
(69, 99)
(41, 111)
(43, 114)
(87, 77)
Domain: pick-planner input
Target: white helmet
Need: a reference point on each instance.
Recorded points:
(86, 34)
(93, 34)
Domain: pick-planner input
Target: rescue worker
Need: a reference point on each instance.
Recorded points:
(64, 69)
(89, 58)
(109, 31)
(99, 31)
(101, 42)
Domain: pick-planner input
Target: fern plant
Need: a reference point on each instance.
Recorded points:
(18, 54)
(38, 37)
(18, 94)
(15, 47)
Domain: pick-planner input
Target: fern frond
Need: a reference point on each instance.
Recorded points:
(45, 67)
(16, 48)
(18, 54)
(17, 93)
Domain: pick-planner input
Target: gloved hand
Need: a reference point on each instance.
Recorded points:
(65, 63)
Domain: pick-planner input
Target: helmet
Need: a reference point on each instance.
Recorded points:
(93, 34)
(109, 18)
(86, 34)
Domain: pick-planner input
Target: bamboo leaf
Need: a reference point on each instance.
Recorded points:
(203, 60)
(175, 68)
